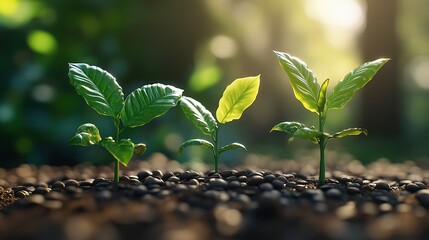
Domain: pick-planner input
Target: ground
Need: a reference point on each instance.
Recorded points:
(262, 198)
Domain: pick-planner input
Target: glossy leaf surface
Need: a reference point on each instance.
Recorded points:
(321, 99)
(350, 132)
(232, 146)
(353, 81)
(304, 83)
(149, 102)
(298, 130)
(238, 96)
(199, 115)
(86, 135)
(98, 87)
(122, 150)
(195, 142)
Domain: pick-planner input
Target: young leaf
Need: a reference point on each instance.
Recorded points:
(321, 99)
(238, 96)
(122, 150)
(350, 132)
(195, 142)
(353, 81)
(232, 146)
(288, 127)
(86, 135)
(98, 87)
(149, 102)
(199, 115)
(304, 83)
(298, 130)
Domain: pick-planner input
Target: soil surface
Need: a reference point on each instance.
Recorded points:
(263, 199)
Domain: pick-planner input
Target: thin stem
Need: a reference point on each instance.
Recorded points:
(216, 151)
(322, 145)
(116, 167)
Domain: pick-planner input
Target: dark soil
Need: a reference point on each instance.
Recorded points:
(159, 199)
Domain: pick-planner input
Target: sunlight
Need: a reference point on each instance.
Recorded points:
(8, 7)
(342, 19)
(419, 69)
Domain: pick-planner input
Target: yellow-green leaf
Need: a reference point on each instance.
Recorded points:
(321, 99)
(304, 83)
(238, 96)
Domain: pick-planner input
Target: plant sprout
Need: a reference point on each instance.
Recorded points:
(315, 99)
(102, 93)
(236, 98)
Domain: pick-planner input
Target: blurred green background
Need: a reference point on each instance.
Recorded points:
(201, 46)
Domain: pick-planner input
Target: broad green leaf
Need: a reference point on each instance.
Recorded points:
(149, 102)
(298, 130)
(98, 87)
(308, 133)
(232, 146)
(122, 150)
(199, 115)
(86, 135)
(238, 96)
(139, 149)
(288, 127)
(350, 132)
(304, 83)
(353, 81)
(195, 142)
(321, 99)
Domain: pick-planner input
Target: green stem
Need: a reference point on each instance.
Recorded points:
(116, 167)
(322, 144)
(216, 151)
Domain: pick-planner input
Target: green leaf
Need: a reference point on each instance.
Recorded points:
(98, 87)
(195, 142)
(199, 115)
(140, 148)
(321, 99)
(238, 96)
(86, 135)
(288, 127)
(350, 132)
(304, 83)
(232, 146)
(149, 102)
(122, 150)
(298, 130)
(353, 81)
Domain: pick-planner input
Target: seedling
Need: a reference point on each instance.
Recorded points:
(315, 99)
(102, 93)
(236, 98)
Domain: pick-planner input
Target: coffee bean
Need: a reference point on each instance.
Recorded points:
(278, 184)
(382, 186)
(152, 180)
(423, 197)
(412, 188)
(266, 186)
(71, 182)
(157, 173)
(144, 174)
(353, 190)
(217, 183)
(21, 194)
(334, 193)
(41, 190)
(255, 180)
(269, 178)
(58, 185)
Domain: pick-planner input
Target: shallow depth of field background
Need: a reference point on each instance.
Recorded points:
(201, 46)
